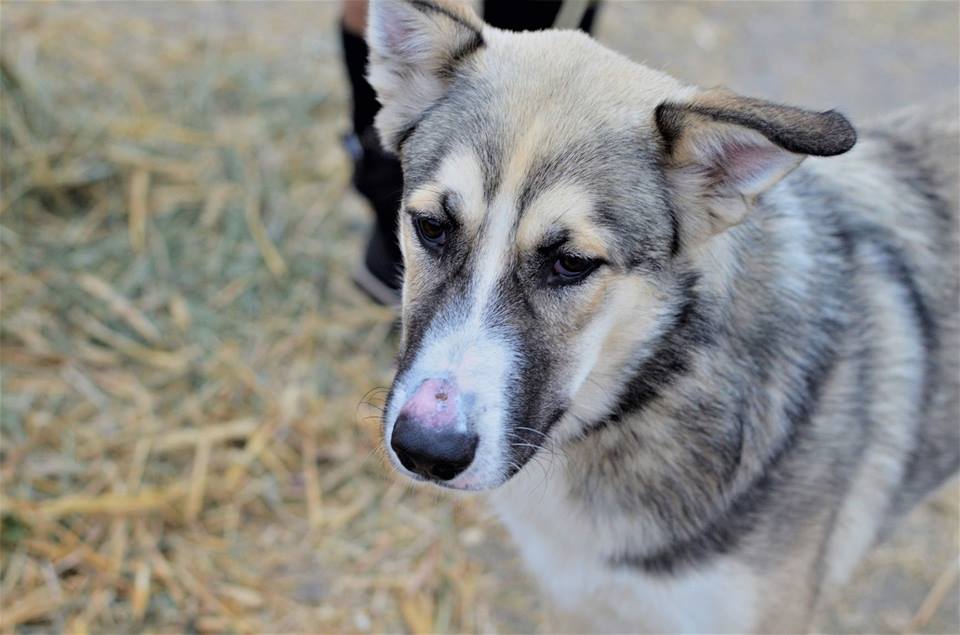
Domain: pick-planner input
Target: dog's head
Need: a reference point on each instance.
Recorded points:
(551, 188)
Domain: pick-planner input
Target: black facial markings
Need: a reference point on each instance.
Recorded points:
(419, 321)
(670, 121)
(449, 68)
(621, 173)
(405, 132)
(415, 173)
(532, 410)
(524, 293)
(542, 173)
(531, 440)
(429, 7)
(665, 200)
(489, 151)
(440, 300)
(553, 240)
(450, 204)
(447, 211)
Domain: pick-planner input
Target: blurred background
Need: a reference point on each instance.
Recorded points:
(191, 383)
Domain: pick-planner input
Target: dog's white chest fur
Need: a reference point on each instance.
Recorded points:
(568, 554)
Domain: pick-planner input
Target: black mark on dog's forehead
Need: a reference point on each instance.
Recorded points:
(544, 172)
(463, 118)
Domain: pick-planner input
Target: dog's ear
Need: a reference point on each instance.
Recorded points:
(723, 150)
(415, 47)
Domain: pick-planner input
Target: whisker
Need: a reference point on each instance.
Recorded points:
(543, 434)
(367, 400)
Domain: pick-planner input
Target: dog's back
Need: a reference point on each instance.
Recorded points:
(900, 185)
(928, 150)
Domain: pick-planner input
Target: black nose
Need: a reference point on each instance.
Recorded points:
(436, 452)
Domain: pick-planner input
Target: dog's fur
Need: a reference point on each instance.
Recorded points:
(708, 431)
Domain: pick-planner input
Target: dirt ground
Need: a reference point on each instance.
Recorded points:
(189, 386)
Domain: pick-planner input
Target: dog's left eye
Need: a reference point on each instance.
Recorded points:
(569, 268)
(432, 233)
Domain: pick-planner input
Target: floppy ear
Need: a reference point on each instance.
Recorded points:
(415, 47)
(724, 150)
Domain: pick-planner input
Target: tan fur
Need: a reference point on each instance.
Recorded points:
(563, 206)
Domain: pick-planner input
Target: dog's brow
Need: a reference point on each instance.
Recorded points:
(450, 204)
(421, 198)
(446, 206)
(562, 210)
(553, 238)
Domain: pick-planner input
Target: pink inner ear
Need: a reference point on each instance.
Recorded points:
(397, 30)
(748, 160)
(750, 167)
(398, 34)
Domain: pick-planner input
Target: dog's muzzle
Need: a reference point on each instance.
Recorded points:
(428, 436)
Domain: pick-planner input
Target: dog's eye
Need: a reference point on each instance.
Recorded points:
(568, 268)
(432, 233)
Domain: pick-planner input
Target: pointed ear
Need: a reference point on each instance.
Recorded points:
(724, 150)
(415, 48)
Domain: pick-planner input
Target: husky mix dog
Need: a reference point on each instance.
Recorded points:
(701, 365)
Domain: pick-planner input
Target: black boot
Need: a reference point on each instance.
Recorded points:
(378, 178)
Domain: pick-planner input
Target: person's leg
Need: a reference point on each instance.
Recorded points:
(376, 175)
(363, 99)
(531, 15)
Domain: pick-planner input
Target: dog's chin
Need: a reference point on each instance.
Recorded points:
(468, 486)
(465, 482)
(455, 485)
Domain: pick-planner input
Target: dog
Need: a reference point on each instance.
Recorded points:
(702, 349)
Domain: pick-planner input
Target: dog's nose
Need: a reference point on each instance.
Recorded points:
(425, 436)
(439, 454)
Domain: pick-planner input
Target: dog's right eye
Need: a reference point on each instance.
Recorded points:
(432, 233)
(570, 269)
